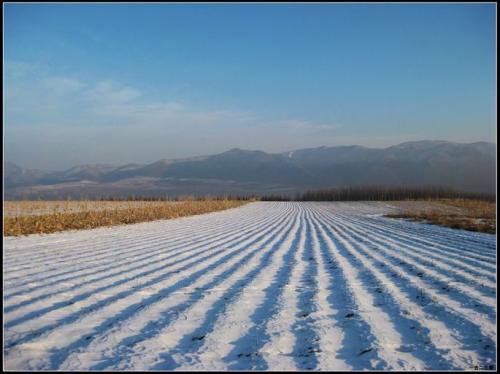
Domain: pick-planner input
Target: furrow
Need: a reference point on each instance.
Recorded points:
(468, 265)
(425, 329)
(148, 257)
(479, 319)
(459, 335)
(387, 339)
(90, 308)
(224, 345)
(168, 344)
(138, 245)
(436, 271)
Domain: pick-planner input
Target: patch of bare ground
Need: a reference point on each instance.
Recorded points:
(465, 214)
(35, 217)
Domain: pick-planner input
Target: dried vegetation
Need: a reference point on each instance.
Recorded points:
(37, 217)
(471, 215)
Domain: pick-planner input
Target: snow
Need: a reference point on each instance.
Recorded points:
(268, 286)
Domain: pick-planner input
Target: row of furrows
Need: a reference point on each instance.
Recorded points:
(462, 242)
(112, 254)
(255, 357)
(53, 250)
(473, 326)
(71, 240)
(456, 254)
(422, 261)
(250, 358)
(329, 275)
(107, 241)
(137, 259)
(425, 276)
(84, 299)
(157, 281)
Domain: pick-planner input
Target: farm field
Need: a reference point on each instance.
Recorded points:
(43, 207)
(44, 217)
(466, 214)
(265, 286)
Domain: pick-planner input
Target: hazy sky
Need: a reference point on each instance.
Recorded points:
(119, 83)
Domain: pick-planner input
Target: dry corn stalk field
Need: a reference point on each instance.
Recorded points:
(42, 217)
(42, 207)
(470, 215)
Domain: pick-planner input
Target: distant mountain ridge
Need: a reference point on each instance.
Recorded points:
(469, 167)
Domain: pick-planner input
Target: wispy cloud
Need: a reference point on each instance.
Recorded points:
(96, 119)
(304, 126)
(39, 93)
(46, 98)
(62, 85)
(107, 92)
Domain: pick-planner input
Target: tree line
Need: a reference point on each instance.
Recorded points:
(381, 193)
(350, 193)
(176, 198)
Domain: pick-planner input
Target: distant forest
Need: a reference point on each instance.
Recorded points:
(380, 193)
(352, 193)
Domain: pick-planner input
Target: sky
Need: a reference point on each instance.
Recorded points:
(121, 83)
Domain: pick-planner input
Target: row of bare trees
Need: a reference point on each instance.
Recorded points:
(176, 198)
(381, 193)
(352, 193)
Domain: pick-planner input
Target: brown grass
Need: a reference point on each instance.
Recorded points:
(43, 207)
(471, 215)
(47, 217)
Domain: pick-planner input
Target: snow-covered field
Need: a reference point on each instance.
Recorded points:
(266, 286)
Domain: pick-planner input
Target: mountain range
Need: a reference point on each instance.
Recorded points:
(467, 167)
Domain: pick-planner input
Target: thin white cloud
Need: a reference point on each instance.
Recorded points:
(106, 92)
(14, 69)
(63, 85)
(98, 122)
(303, 126)
(46, 98)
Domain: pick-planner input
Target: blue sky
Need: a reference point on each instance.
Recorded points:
(119, 83)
